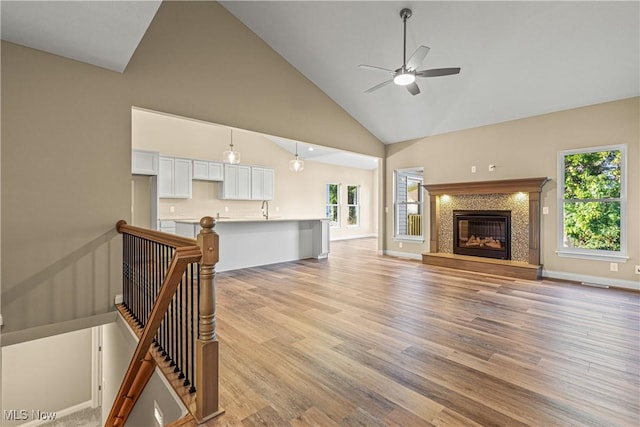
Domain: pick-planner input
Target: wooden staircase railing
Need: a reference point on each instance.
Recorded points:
(166, 313)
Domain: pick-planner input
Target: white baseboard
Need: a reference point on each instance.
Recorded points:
(355, 236)
(617, 283)
(59, 414)
(403, 255)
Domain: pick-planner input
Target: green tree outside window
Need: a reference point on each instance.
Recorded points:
(592, 200)
(353, 205)
(332, 205)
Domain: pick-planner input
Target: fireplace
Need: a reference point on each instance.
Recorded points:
(482, 233)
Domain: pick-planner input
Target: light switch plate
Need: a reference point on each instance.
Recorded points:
(545, 210)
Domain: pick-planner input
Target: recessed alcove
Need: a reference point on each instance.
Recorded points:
(520, 196)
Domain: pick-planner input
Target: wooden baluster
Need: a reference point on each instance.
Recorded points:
(206, 378)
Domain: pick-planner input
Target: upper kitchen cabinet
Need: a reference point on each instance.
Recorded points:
(208, 171)
(237, 182)
(174, 178)
(144, 162)
(262, 183)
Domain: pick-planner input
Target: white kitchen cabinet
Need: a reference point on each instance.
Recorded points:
(237, 182)
(262, 183)
(167, 226)
(188, 229)
(144, 162)
(174, 178)
(208, 171)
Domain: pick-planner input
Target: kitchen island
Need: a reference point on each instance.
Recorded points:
(252, 242)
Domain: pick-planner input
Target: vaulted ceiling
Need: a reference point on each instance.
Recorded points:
(517, 59)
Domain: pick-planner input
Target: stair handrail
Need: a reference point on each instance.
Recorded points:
(172, 240)
(205, 251)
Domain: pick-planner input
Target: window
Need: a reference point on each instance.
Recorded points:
(353, 205)
(592, 203)
(408, 204)
(333, 204)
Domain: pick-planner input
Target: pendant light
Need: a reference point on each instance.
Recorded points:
(296, 165)
(231, 156)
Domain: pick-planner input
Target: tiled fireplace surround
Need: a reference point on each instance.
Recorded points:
(520, 196)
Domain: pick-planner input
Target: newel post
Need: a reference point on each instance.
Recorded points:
(206, 377)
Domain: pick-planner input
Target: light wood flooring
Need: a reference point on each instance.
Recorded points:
(362, 339)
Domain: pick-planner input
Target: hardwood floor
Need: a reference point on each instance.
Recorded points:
(361, 339)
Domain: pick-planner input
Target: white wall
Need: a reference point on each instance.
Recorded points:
(49, 374)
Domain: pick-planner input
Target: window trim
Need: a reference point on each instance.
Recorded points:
(594, 254)
(419, 173)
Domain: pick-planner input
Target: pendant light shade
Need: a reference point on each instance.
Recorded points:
(296, 165)
(231, 156)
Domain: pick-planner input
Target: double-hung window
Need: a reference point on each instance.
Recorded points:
(592, 203)
(408, 204)
(333, 204)
(353, 205)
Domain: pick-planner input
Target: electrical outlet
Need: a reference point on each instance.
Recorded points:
(400, 245)
(172, 209)
(473, 169)
(545, 210)
(613, 266)
(637, 269)
(226, 208)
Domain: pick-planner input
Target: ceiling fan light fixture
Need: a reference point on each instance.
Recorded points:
(404, 78)
(407, 73)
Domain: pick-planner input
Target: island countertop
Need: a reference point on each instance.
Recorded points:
(256, 241)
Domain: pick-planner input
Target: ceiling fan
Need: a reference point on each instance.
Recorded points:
(406, 75)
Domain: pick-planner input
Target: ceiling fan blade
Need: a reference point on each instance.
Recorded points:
(417, 58)
(413, 88)
(436, 72)
(378, 86)
(374, 68)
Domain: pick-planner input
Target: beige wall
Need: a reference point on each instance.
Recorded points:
(297, 195)
(141, 201)
(66, 144)
(529, 148)
(34, 373)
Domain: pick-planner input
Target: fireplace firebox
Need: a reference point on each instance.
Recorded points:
(482, 233)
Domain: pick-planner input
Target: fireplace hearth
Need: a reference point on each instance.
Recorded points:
(523, 266)
(482, 233)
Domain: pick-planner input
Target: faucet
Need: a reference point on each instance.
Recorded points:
(265, 209)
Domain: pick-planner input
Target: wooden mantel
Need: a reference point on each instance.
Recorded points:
(524, 185)
(532, 186)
